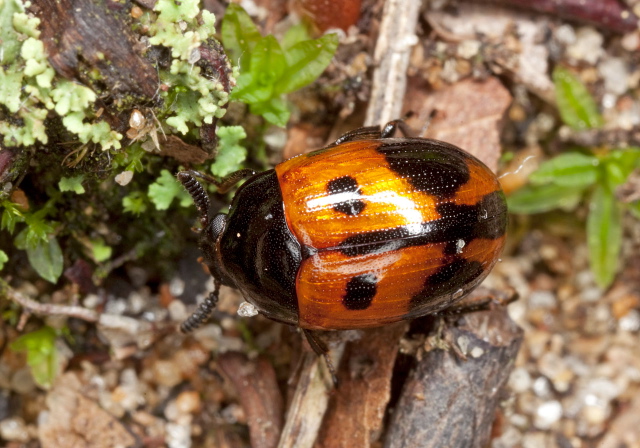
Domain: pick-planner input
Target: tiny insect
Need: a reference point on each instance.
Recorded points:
(366, 231)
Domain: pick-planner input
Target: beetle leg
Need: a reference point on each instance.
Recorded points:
(197, 192)
(481, 299)
(202, 313)
(229, 181)
(390, 129)
(364, 133)
(321, 349)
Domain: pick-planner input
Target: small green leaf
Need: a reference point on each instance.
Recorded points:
(230, 153)
(42, 355)
(176, 11)
(10, 216)
(267, 67)
(294, 35)
(275, 111)
(101, 252)
(575, 104)
(3, 259)
(567, 170)
(8, 36)
(543, 198)
(239, 35)
(634, 207)
(10, 89)
(307, 60)
(46, 258)
(37, 232)
(135, 203)
(165, 189)
(619, 164)
(72, 184)
(604, 235)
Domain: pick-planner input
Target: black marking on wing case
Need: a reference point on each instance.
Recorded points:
(346, 184)
(487, 219)
(360, 292)
(433, 167)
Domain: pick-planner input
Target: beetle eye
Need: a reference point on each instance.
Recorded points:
(217, 225)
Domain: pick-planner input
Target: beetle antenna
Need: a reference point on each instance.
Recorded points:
(202, 313)
(198, 193)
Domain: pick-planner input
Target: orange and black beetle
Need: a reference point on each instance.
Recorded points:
(366, 231)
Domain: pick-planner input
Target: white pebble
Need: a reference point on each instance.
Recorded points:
(547, 414)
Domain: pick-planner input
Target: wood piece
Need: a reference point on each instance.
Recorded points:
(397, 37)
(448, 401)
(257, 387)
(309, 402)
(364, 389)
(89, 41)
(611, 15)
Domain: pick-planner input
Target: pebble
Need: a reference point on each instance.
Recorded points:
(547, 414)
(615, 74)
(177, 311)
(565, 34)
(541, 387)
(556, 370)
(178, 435)
(520, 380)
(188, 402)
(14, 430)
(630, 321)
(129, 393)
(167, 373)
(542, 299)
(22, 381)
(468, 48)
(587, 46)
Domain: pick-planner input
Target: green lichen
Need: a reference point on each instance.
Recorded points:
(191, 98)
(29, 88)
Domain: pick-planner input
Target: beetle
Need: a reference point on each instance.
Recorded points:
(366, 231)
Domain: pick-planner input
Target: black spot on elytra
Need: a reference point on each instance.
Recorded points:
(360, 292)
(458, 223)
(346, 184)
(435, 168)
(457, 275)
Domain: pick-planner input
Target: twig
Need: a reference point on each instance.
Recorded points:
(310, 401)
(397, 37)
(46, 309)
(611, 15)
(257, 387)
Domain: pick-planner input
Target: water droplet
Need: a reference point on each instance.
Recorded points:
(458, 293)
(459, 245)
(247, 310)
(484, 213)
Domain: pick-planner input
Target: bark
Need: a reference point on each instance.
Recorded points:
(449, 401)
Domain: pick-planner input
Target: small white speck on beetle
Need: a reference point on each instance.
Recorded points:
(477, 352)
(238, 234)
(247, 310)
(459, 245)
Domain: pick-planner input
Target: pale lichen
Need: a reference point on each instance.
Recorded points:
(29, 88)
